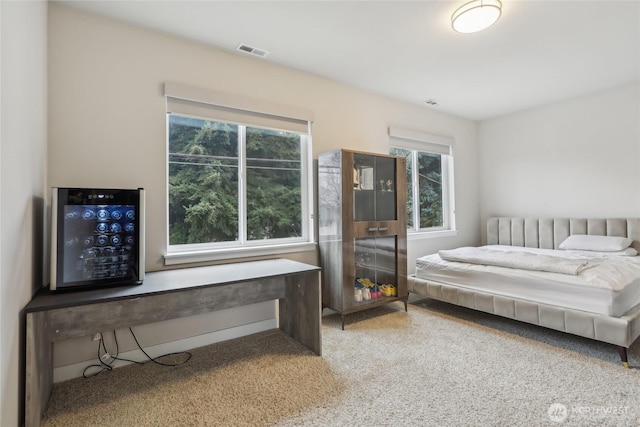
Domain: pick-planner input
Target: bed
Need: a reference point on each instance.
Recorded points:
(591, 293)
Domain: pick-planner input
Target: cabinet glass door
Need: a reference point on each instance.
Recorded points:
(375, 269)
(374, 188)
(385, 189)
(364, 202)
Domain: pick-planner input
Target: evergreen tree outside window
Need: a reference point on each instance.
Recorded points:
(239, 181)
(203, 181)
(232, 185)
(428, 207)
(274, 179)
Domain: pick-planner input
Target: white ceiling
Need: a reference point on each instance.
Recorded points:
(540, 51)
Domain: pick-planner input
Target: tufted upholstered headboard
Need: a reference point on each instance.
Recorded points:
(548, 233)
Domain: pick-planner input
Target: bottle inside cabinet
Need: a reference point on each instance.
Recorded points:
(375, 269)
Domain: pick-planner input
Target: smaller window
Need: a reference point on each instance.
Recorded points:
(429, 184)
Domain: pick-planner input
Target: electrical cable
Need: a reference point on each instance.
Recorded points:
(155, 360)
(103, 366)
(108, 365)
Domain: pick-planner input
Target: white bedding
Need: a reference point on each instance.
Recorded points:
(610, 286)
(516, 259)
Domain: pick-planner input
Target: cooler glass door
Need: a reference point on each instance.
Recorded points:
(98, 234)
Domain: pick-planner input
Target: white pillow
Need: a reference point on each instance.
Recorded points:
(583, 242)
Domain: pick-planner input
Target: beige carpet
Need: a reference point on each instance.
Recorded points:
(437, 365)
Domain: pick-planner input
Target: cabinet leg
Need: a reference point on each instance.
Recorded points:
(342, 316)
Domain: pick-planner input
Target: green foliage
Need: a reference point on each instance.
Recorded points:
(273, 185)
(430, 190)
(429, 187)
(204, 184)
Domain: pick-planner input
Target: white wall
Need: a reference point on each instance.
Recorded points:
(577, 158)
(107, 113)
(23, 149)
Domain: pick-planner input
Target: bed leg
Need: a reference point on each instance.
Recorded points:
(622, 351)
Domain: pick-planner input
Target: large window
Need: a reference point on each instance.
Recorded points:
(429, 182)
(233, 185)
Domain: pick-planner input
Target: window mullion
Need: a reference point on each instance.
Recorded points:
(305, 182)
(242, 191)
(416, 191)
(444, 167)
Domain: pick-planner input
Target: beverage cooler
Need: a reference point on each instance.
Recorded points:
(97, 237)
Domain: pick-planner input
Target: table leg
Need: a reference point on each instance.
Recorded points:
(300, 310)
(38, 368)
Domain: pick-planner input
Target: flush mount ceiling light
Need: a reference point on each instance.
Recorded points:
(476, 15)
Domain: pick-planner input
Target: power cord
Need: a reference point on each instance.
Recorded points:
(107, 365)
(101, 367)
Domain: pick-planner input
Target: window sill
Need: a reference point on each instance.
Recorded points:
(419, 235)
(186, 257)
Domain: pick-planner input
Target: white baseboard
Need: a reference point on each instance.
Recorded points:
(75, 370)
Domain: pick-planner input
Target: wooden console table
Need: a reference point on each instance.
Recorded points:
(165, 295)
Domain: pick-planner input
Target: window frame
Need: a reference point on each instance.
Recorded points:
(415, 179)
(242, 247)
(415, 143)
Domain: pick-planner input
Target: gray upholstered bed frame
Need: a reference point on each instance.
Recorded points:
(546, 233)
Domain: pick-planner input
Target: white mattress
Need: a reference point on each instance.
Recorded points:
(611, 287)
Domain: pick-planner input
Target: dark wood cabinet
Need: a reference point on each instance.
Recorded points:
(362, 222)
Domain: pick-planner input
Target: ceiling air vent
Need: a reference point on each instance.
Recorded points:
(252, 50)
